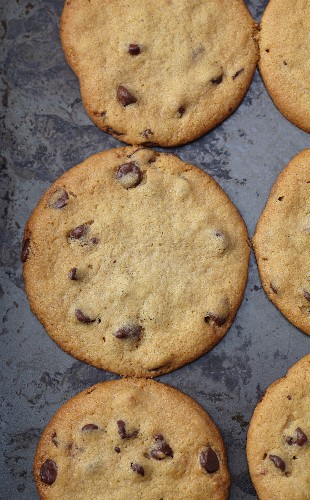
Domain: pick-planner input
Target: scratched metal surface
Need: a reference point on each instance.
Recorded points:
(45, 131)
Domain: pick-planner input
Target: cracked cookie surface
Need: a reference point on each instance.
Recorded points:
(160, 72)
(140, 267)
(282, 242)
(131, 439)
(285, 58)
(278, 442)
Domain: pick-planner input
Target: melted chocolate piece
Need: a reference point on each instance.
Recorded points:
(218, 320)
(25, 250)
(90, 427)
(138, 469)
(278, 462)
(117, 449)
(48, 472)
(78, 232)
(124, 96)
(217, 81)
(302, 438)
(134, 49)
(132, 332)
(209, 460)
(61, 200)
(73, 274)
(161, 448)
(80, 316)
(129, 175)
(181, 110)
(122, 430)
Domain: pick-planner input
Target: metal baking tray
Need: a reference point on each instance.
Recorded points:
(45, 131)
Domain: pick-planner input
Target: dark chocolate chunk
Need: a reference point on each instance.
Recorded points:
(138, 469)
(48, 472)
(73, 274)
(238, 73)
(209, 460)
(129, 175)
(90, 427)
(161, 448)
(307, 295)
(214, 318)
(217, 80)
(124, 96)
(134, 49)
(147, 133)
(290, 441)
(25, 250)
(59, 199)
(54, 439)
(278, 462)
(82, 317)
(302, 438)
(181, 110)
(129, 332)
(117, 449)
(122, 430)
(79, 232)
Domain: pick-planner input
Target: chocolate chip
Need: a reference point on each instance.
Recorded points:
(73, 274)
(132, 332)
(122, 430)
(307, 295)
(147, 133)
(285, 63)
(138, 469)
(161, 448)
(129, 175)
(25, 250)
(90, 427)
(301, 437)
(117, 449)
(48, 472)
(94, 241)
(59, 199)
(217, 80)
(290, 441)
(79, 232)
(124, 96)
(238, 73)
(209, 461)
(278, 462)
(134, 49)
(54, 439)
(273, 288)
(82, 317)
(289, 397)
(214, 318)
(181, 110)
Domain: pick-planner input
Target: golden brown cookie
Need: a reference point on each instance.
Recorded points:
(285, 58)
(163, 72)
(282, 242)
(135, 261)
(131, 439)
(278, 442)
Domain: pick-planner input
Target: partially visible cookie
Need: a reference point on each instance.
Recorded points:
(278, 442)
(135, 261)
(161, 72)
(282, 242)
(285, 58)
(129, 439)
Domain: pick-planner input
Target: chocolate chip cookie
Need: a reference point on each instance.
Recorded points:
(134, 439)
(282, 242)
(135, 261)
(161, 72)
(285, 58)
(278, 443)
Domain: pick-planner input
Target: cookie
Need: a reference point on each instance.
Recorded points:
(161, 72)
(285, 58)
(278, 441)
(282, 242)
(128, 439)
(135, 261)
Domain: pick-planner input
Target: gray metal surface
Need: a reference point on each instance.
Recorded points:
(45, 132)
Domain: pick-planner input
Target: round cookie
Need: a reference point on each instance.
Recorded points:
(285, 58)
(135, 261)
(161, 72)
(278, 441)
(282, 242)
(128, 439)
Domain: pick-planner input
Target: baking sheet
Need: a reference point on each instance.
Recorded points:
(45, 132)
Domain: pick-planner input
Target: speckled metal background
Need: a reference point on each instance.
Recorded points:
(45, 131)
